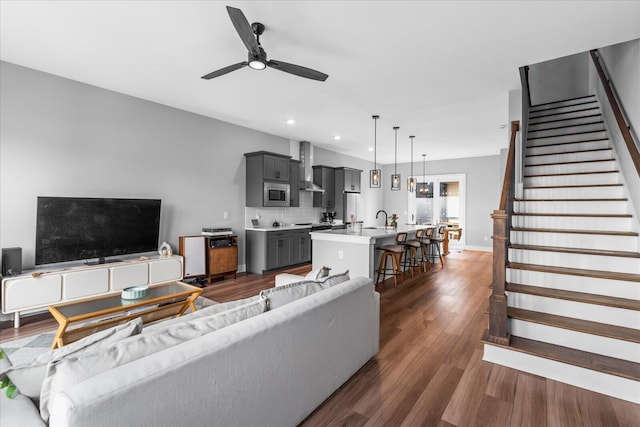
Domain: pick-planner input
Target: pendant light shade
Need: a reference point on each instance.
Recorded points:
(411, 182)
(395, 178)
(423, 187)
(375, 177)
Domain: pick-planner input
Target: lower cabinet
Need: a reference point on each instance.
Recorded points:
(270, 250)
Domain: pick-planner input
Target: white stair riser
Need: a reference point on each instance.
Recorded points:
(575, 146)
(545, 117)
(557, 109)
(569, 157)
(535, 142)
(570, 260)
(605, 346)
(594, 117)
(589, 126)
(604, 165)
(585, 207)
(580, 179)
(573, 222)
(611, 385)
(569, 282)
(575, 240)
(563, 103)
(576, 310)
(574, 192)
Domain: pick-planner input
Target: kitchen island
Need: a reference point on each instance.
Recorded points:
(343, 250)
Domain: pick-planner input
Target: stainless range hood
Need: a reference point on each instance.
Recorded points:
(306, 170)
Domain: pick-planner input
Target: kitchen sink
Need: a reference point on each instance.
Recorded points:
(373, 228)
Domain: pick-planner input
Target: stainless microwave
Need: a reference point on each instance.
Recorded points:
(276, 194)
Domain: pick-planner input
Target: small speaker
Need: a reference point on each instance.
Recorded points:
(11, 261)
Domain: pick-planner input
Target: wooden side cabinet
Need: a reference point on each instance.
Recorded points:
(222, 256)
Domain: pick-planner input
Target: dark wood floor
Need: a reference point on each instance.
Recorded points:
(429, 370)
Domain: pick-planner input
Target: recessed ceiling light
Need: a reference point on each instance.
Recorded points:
(337, 137)
(291, 122)
(370, 148)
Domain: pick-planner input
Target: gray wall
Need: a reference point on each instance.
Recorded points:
(64, 138)
(483, 179)
(558, 79)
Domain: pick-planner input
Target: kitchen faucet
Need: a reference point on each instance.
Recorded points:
(386, 216)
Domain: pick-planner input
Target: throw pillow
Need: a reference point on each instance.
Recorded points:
(203, 312)
(281, 295)
(28, 377)
(65, 373)
(335, 279)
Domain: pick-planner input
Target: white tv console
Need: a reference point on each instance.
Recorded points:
(26, 293)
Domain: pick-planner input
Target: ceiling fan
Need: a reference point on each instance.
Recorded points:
(257, 56)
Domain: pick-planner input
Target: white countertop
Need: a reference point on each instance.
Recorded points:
(279, 228)
(367, 235)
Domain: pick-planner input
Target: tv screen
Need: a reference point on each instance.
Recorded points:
(77, 228)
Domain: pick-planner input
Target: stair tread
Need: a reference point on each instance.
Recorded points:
(583, 251)
(571, 356)
(617, 199)
(573, 162)
(572, 186)
(565, 119)
(564, 134)
(604, 300)
(573, 324)
(567, 126)
(579, 215)
(566, 143)
(570, 173)
(611, 275)
(570, 152)
(563, 100)
(531, 116)
(574, 231)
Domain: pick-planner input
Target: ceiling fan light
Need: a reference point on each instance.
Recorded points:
(257, 64)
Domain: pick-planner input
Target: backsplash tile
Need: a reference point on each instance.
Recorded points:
(305, 213)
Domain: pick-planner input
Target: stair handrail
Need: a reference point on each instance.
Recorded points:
(618, 113)
(498, 331)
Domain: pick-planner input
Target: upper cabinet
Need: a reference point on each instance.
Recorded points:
(265, 167)
(276, 167)
(294, 183)
(324, 176)
(348, 180)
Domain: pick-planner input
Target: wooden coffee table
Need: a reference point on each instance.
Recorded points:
(96, 314)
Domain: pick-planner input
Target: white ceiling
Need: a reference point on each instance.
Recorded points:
(441, 70)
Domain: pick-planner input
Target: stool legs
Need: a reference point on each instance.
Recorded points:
(395, 267)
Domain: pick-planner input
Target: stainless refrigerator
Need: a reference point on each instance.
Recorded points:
(352, 203)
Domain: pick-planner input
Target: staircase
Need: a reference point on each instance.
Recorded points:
(573, 276)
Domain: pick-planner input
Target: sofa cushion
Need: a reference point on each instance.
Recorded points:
(28, 377)
(285, 294)
(70, 371)
(19, 411)
(318, 274)
(203, 312)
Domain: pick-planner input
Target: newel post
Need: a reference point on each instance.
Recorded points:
(498, 326)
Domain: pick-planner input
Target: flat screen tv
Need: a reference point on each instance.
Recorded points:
(78, 228)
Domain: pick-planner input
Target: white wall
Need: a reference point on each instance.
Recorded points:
(63, 138)
(558, 79)
(484, 181)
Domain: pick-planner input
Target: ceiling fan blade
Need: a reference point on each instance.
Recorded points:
(225, 70)
(297, 70)
(244, 29)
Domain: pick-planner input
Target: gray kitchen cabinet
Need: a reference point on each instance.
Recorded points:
(270, 250)
(347, 180)
(261, 167)
(294, 183)
(324, 176)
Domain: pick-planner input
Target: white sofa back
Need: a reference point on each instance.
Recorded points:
(270, 370)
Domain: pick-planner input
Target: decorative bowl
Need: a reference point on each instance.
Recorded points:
(135, 292)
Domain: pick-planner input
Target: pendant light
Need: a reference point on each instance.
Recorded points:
(411, 182)
(374, 174)
(423, 187)
(395, 178)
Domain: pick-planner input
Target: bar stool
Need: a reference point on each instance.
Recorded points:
(413, 247)
(434, 245)
(394, 252)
